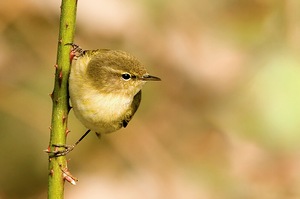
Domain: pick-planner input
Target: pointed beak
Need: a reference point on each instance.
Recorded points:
(150, 78)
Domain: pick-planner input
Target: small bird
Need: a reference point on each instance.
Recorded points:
(105, 89)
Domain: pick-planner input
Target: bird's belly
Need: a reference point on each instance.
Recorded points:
(102, 113)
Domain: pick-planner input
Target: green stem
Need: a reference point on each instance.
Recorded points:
(60, 99)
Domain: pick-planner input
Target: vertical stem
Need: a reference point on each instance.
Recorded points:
(60, 98)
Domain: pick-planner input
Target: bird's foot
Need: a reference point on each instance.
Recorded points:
(56, 153)
(76, 51)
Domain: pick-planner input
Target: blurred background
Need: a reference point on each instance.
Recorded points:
(223, 124)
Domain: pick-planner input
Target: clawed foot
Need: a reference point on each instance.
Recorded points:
(76, 51)
(67, 149)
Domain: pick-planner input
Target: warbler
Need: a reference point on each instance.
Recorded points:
(105, 88)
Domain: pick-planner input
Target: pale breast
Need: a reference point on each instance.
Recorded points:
(99, 112)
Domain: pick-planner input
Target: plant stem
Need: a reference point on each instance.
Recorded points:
(60, 99)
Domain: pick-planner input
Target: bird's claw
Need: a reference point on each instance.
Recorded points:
(56, 153)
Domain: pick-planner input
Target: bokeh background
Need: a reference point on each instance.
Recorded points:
(223, 124)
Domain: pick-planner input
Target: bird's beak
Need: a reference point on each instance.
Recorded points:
(150, 78)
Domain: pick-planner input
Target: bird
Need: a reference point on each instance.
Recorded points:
(105, 89)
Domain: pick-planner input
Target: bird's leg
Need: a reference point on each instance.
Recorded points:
(67, 148)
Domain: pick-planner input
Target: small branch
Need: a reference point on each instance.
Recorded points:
(60, 99)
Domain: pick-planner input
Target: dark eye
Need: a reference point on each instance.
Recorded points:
(126, 76)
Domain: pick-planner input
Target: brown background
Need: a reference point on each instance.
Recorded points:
(223, 123)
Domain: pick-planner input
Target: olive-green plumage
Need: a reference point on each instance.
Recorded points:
(105, 88)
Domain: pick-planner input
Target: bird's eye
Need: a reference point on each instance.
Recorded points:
(126, 76)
